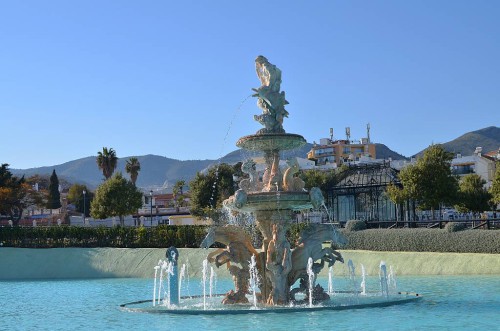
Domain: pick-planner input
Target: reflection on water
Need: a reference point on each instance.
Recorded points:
(450, 302)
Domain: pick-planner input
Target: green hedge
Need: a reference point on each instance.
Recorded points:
(425, 240)
(69, 236)
(190, 236)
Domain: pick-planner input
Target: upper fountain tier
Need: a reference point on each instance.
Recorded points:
(268, 142)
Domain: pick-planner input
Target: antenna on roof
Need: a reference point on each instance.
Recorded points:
(331, 133)
(348, 133)
(368, 132)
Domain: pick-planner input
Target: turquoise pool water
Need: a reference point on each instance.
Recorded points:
(449, 303)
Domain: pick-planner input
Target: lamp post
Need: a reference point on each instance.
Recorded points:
(84, 192)
(151, 206)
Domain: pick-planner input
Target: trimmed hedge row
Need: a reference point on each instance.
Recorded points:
(123, 237)
(425, 240)
(189, 236)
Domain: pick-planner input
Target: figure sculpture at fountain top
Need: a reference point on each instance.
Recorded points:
(271, 100)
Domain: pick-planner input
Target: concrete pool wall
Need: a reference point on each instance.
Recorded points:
(73, 263)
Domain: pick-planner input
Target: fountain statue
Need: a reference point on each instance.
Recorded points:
(272, 197)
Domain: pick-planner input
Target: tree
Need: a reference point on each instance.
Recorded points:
(132, 168)
(325, 180)
(54, 197)
(429, 181)
(39, 191)
(178, 193)
(107, 161)
(75, 196)
(116, 197)
(472, 194)
(397, 195)
(495, 187)
(313, 178)
(209, 190)
(14, 194)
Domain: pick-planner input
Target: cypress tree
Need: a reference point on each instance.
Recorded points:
(54, 198)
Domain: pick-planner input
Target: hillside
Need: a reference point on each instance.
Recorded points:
(155, 170)
(159, 170)
(384, 152)
(487, 138)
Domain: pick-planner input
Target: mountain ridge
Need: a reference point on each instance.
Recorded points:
(161, 171)
(488, 138)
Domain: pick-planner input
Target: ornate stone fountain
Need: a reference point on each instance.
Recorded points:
(272, 197)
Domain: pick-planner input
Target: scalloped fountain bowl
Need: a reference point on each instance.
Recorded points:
(271, 141)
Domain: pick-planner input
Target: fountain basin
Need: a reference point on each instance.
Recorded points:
(271, 141)
(343, 300)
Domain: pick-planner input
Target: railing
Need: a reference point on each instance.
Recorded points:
(146, 211)
(488, 224)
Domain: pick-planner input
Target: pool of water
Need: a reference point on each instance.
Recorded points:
(449, 303)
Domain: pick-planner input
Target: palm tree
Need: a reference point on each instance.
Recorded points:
(106, 161)
(132, 168)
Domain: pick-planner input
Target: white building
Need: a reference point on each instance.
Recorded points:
(482, 165)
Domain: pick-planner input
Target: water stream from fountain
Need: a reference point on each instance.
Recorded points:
(154, 288)
(182, 275)
(213, 281)
(204, 282)
(391, 280)
(363, 280)
(330, 280)
(161, 264)
(352, 276)
(254, 279)
(224, 140)
(310, 274)
(383, 279)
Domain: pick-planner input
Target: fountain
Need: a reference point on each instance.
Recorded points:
(272, 197)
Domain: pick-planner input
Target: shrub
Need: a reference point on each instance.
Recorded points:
(355, 225)
(454, 226)
(410, 240)
(71, 236)
(425, 240)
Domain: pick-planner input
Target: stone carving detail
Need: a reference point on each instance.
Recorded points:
(279, 263)
(310, 244)
(316, 197)
(271, 100)
(290, 182)
(239, 250)
(250, 184)
(272, 179)
(238, 200)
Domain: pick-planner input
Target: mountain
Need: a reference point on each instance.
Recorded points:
(487, 138)
(384, 152)
(161, 171)
(155, 170)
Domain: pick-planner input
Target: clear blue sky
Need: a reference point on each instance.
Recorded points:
(168, 77)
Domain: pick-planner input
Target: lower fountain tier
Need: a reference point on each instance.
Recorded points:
(271, 142)
(275, 201)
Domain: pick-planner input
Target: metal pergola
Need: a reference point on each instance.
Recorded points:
(360, 193)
